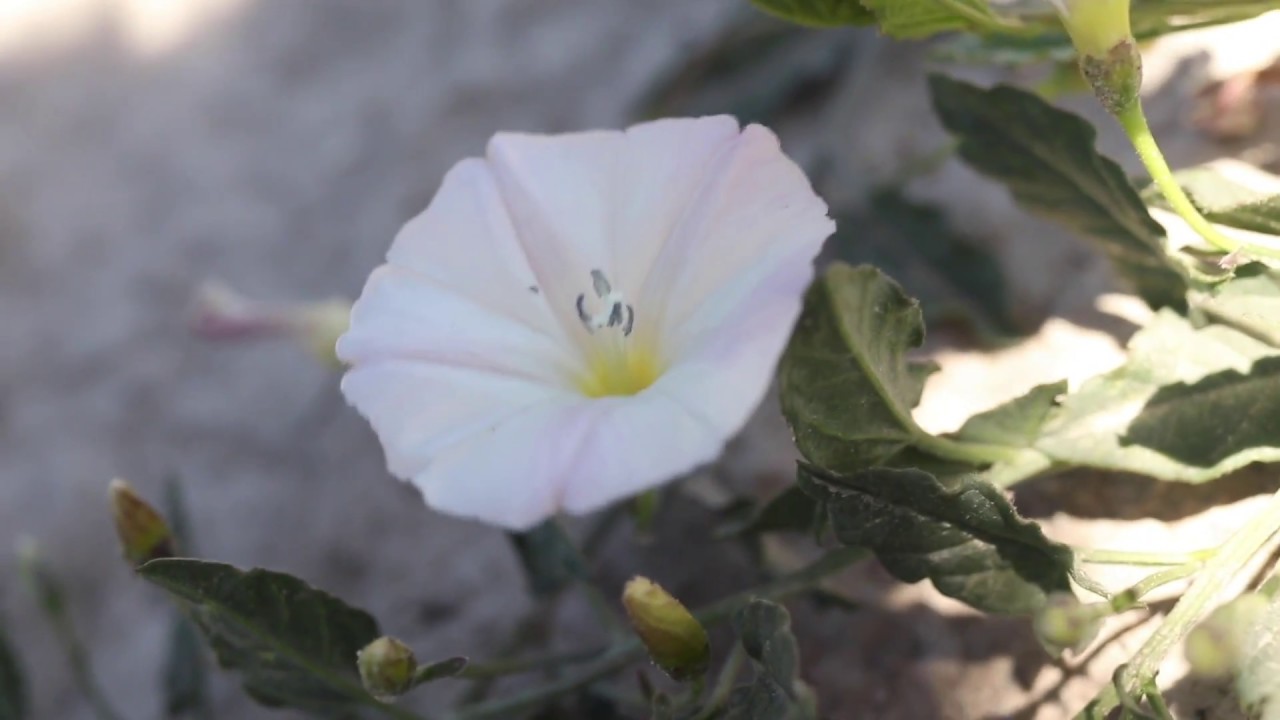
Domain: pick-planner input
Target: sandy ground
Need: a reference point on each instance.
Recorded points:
(278, 144)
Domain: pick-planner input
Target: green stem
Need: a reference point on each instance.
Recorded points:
(1216, 573)
(1134, 122)
(1094, 556)
(724, 683)
(966, 451)
(630, 650)
(516, 666)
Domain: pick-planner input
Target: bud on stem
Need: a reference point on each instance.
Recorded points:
(676, 641)
(144, 534)
(387, 667)
(1109, 57)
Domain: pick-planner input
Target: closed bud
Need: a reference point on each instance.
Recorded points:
(222, 314)
(676, 641)
(144, 534)
(1065, 623)
(387, 667)
(1109, 57)
(1215, 647)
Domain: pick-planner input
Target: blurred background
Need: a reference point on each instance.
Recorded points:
(277, 145)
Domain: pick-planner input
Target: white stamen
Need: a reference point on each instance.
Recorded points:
(616, 311)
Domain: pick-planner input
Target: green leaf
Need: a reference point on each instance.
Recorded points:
(818, 13)
(1229, 194)
(13, 684)
(778, 693)
(847, 388)
(789, 510)
(1189, 405)
(1258, 680)
(948, 272)
(549, 557)
(1016, 423)
(294, 645)
(440, 670)
(1046, 158)
(1249, 302)
(764, 629)
(962, 533)
(922, 18)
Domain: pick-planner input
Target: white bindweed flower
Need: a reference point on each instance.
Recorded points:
(577, 318)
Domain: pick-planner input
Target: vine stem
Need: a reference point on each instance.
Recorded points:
(630, 650)
(1095, 556)
(724, 683)
(1216, 573)
(1134, 121)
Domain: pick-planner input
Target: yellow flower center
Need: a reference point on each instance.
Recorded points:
(616, 363)
(610, 372)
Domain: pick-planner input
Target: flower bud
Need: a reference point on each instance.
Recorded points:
(387, 667)
(676, 641)
(1215, 647)
(1109, 57)
(222, 314)
(1065, 623)
(144, 534)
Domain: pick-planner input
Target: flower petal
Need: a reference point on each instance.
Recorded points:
(605, 201)
(758, 199)
(420, 409)
(512, 474)
(637, 443)
(465, 242)
(404, 315)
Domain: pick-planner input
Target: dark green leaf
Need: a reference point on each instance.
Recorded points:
(294, 645)
(948, 272)
(778, 693)
(440, 670)
(962, 533)
(1189, 405)
(789, 510)
(764, 629)
(13, 684)
(186, 685)
(818, 13)
(1046, 158)
(550, 560)
(1229, 414)
(847, 388)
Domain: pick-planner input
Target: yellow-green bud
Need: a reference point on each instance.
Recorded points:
(144, 534)
(1215, 647)
(676, 641)
(386, 668)
(1095, 26)
(1065, 623)
(1109, 57)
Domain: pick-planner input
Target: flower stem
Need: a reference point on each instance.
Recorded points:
(516, 666)
(631, 650)
(1094, 556)
(1134, 121)
(724, 683)
(1229, 559)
